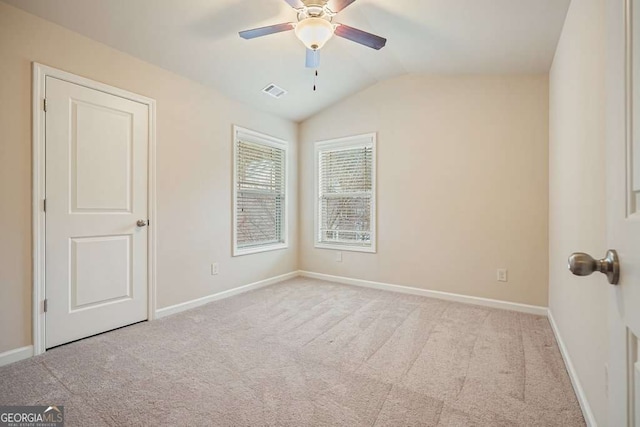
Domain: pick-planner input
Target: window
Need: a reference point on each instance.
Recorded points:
(259, 194)
(346, 193)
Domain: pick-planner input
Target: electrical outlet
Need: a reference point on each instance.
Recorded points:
(503, 275)
(338, 256)
(214, 269)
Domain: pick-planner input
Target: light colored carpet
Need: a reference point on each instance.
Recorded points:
(307, 352)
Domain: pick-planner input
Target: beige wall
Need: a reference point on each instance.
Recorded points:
(577, 217)
(462, 184)
(194, 169)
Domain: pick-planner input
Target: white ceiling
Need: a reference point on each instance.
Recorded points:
(199, 39)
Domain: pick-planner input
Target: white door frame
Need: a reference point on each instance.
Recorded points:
(40, 72)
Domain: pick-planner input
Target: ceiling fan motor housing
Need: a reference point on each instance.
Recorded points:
(315, 11)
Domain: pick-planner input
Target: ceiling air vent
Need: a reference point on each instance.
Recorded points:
(275, 91)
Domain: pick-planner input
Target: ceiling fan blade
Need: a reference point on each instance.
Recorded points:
(359, 36)
(296, 4)
(313, 58)
(265, 31)
(338, 5)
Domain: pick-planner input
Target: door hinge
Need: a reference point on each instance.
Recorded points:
(44, 205)
(44, 104)
(148, 222)
(45, 305)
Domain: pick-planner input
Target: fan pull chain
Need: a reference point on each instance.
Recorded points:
(315, 78)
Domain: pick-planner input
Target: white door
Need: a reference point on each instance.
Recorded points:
(96, 191)
(623, 196)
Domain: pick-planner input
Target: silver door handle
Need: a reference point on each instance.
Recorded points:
(141, 223)
(582, 264)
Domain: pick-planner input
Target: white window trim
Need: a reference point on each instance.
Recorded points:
(240, 133)
(337, 144)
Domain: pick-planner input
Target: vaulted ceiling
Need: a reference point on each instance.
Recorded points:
(199, 40)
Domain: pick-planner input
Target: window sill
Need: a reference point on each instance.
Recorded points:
(259, 249)
(338, 247)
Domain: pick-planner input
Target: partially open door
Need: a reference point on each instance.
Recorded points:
(623, 213)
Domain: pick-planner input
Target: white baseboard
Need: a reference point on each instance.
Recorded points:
(486, 302)
(173, 309)
(16, 355)
(575, 381)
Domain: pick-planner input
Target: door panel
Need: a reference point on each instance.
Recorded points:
(101, 270)
(101, 158)
(96, 190)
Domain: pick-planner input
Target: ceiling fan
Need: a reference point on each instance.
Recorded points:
(315, 27)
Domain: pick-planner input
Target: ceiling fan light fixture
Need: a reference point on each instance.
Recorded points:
(314, 32)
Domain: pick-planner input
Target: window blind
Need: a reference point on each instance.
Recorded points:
(260, 194)
(346, 195)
